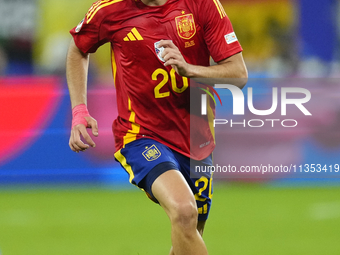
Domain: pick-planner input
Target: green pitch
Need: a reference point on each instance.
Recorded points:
(247, 220)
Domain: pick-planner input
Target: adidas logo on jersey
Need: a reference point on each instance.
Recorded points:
(134, 35)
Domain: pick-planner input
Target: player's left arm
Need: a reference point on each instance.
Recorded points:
(231, 70)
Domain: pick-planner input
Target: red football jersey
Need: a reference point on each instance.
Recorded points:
(153, 100)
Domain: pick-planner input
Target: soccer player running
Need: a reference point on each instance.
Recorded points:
(157, 45)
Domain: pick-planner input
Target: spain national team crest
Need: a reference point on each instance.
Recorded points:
(151, 153)
(186, 26)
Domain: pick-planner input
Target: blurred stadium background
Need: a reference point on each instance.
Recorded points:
(54, 201)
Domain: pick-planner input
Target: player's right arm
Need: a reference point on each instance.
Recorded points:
(76, 72)
(87, 37)
(77, 64)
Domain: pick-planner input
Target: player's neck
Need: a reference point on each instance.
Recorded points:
(154, 2)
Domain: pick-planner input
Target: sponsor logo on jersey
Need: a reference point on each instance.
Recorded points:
(151, 153)
(134, 35)
(186, 26)
(230, 38)
(79, 26)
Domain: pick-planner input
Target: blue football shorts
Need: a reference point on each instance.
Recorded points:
(145, 159)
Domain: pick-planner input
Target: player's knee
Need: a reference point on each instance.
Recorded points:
(184, 215)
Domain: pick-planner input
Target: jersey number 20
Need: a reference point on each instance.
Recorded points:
(165, 80)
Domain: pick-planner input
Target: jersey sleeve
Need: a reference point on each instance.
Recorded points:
(218, 31)
(89, 35)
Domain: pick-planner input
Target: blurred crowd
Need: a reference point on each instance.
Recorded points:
(281, 38)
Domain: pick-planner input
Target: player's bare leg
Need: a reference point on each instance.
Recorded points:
(176, 198)
(200, 229)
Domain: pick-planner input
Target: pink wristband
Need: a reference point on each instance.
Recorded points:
(78, 114)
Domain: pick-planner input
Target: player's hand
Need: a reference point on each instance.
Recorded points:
(78, 131)
(174, 58)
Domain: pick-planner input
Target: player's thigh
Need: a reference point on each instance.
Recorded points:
(174, 194)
